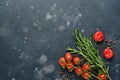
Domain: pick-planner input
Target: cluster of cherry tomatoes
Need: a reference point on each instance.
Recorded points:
(99, 37)
(73, 64)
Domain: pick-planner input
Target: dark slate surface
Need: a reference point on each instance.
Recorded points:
(35, 33)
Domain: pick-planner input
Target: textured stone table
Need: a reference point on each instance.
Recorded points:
(35, 33)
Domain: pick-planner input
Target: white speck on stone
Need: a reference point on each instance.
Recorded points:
(24, 42)
(42, 59)
(97, 29)
(35, 24)
(80, 24)
(53, 8)
(21, 55)
(31, 7)
(61, 28)
(49, 68)
(117, 65)
(55, 5)
(48, 16)
(117, 70)
(58, 79)
(54, 16)
(13, 79)
(67, 23)
(80, 15)
(19, 50)
(18, 17)
(61, 10)
(7, 4)
(48, 46)
(82, 30)
(40, 74)
(36, 68)
(76, 9)
(54, 30)
(71, 7)
(25, 38)
(15, 48)
(25, 29)
(39, 28)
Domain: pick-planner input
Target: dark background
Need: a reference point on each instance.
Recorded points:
(35, 33)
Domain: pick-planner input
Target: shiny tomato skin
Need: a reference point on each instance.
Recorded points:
(76, 60)
(62, 62)
(98, 36)
(86, 75)
(68, 57)
(108, 53)
(70, 66)
(86, 67)
(78, 70)
(102, 76)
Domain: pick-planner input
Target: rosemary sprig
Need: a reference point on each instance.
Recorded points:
(89, 52)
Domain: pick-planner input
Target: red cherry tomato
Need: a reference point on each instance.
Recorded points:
(86, 67)
(98, 36)
(86, 75)
(68, 57)
(108, 53)
(62, 62)
(102, 76)
(78, 70)
(76, 60)
(70, 66)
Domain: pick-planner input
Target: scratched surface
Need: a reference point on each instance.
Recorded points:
(35, 33)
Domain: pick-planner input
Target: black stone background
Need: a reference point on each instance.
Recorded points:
(35, 29)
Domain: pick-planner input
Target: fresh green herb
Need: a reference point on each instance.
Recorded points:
(90, 52)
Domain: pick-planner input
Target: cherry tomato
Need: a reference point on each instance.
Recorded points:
(62, 62)
(76, 60)
(108, 53)
(70, 66)
(78, 70)
(86, 75)
(98, 36)
(102, 76)
(68, 57)
(86, 67)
